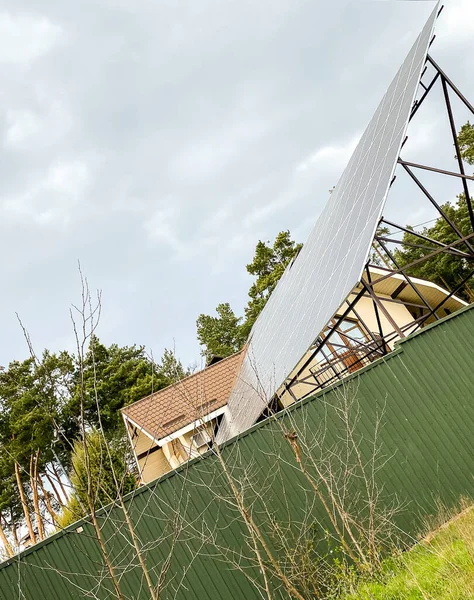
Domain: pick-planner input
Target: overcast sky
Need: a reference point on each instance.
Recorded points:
(156, 142)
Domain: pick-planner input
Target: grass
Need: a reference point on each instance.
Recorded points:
(439, 568)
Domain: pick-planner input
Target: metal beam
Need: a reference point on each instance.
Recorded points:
(399, 289)
(462, 175)
(421, 236)
(385, 312)
(461, 240)
(376, 308)
(419, 102)
(458, 150)
(381, 238)
(374, 339)
(450, 83)
(437, 206)
(410, 282)
(452, 293)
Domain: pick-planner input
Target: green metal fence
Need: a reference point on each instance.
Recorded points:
(195, 539)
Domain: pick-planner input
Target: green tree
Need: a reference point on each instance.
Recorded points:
(171, 368)
(268, 265)
(31, 402)
(99, 473)
(113, 377)
(466, 142)
(225, 334)
(221, 335)
(444, 269)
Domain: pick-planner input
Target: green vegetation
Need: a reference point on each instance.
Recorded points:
(93, 479)
(46, 404)
(225, 334)
(466, 142)
(439, 569)
(444, 269)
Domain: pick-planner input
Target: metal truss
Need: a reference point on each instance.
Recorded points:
(337, 352)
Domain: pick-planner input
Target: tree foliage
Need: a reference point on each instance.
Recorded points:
(444, 269)
(221, 335)
(40, 423)
(267, 267)
(224, 334)
(99, 473)
(170, 368)
(112, 377)
(466, 142)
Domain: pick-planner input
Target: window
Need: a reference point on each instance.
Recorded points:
(201, 439)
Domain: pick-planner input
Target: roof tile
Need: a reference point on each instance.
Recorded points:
(178, 405)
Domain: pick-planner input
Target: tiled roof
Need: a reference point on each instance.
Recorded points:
(182, 403)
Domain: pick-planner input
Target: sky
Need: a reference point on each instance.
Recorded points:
(157, 142)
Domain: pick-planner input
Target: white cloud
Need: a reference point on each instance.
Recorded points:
(161, 227)
(456, 23)
(68, 177)
(21, 125)
(50, 200)
(24, 37)
(26, 127)
(332, 157)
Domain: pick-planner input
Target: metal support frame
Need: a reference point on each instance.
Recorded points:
(408, 279)
(371, 335)
(461, 175)
(452, 293)
(382, 308)
(423, 237)
(440, 71)
(458, 151)
(375, 305)
(453, 226)
(322, 341)
(363, 351)
(388, 240)
(311, 380)
(401, 270)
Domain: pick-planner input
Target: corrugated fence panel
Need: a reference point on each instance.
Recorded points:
(194, 537)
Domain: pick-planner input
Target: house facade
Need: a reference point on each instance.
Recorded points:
(179, 422)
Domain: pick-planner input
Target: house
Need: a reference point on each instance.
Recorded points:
(179, 422)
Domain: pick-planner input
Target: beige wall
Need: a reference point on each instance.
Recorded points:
(154, 465)
(399, 313)
(169, 456)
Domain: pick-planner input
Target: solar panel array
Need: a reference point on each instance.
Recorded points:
(332, 260)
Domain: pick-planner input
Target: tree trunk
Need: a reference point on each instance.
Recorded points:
(14, 531)
(105, 554)
(34, 488)
(4, 540)
(47, 500)
(57, 495)
(58, 478)
(24, 503)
